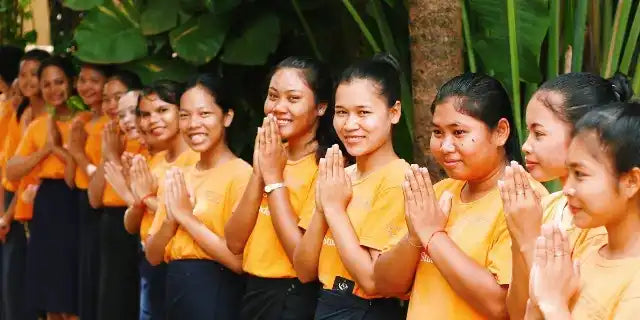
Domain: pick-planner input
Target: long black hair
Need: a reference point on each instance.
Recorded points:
(33, 55)
(483, 98)
(318, 78)
(167, 90)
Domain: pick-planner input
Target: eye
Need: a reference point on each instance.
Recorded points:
(272, 96)
(340, 112)
(437, 132)
(459, 132)
(363, 112)
(205, 113)
(162, 109)
(294, 99)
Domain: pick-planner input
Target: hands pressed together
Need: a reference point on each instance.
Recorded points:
(269, 153)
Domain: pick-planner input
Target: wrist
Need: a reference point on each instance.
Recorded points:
(273, 179)
(554, 310)
(428, 241)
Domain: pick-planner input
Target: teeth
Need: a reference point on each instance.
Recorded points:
(284, 122)
(354, 139)
(197, 138)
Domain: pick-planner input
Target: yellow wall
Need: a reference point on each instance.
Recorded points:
(40, 22)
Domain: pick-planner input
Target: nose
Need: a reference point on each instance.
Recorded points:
(447, 145)
(568, 189)
(526, 147)
(351, 124)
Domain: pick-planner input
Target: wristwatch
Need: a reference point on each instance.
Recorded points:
(270, 187)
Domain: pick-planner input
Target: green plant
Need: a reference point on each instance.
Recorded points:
(13, 15)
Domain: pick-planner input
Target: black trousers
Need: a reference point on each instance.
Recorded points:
(88, 257)
(202, 290)
(14, 257)
(333, 305)
(279, 299)
(118, 293)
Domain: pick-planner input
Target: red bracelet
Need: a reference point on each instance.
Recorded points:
(426, 247)
(147, 197)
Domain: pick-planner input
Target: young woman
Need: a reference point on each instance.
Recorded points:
(187, 231)
(85, 149)
(357, 208)
(52, 256)
(14, 222)
(460, 264)
(603, 189)
(552, 114)
(157, 117)
(264, 227)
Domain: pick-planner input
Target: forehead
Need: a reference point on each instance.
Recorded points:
(90, 72)
(197, 97)
(151, 101)
(29, 64)
(114, 86)
(448, 113)
(539, 107)
(130, 99)
(359, 92)
(52, 72)
(288, 79)
(586, 148)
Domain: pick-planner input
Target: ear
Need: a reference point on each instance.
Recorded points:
(630, 182)
(228, 118)
(322, 108)
(501, 132)
(396, 112)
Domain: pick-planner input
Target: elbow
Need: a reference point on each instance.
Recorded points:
(153, 258)
(369, 287)
(305, 273)
(94, 202)
(497, 310)
(129, 228)
(388, 288)
(11, 172)
(235, 246)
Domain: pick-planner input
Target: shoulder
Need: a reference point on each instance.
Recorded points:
(187, 158)
(447, 184)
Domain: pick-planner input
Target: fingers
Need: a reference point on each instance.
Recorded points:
(422, 188)
(428, 184)
(262, 145)
(329, 172)
(409, 199)
(413, 185)
(517, 180)
(504, 195)
(337, 170)
(558, 246)
(322, 170)
(526, 185)
(509, 184)
(540, 258)
(547, 233)
(273, 127)
(267, 129)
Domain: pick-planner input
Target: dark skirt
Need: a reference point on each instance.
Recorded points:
(271, 299)
(118, 293)
(202, 290)
(52, 255)
(152, 290)
(88, 257)
(334, 305)
(14, 255)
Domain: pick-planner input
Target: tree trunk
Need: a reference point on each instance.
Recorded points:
(435, 30)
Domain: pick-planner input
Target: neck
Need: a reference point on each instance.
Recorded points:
(96, 110)
(176, 147)
(476, 188)
(299, 147)
(63, 111)
(218, 154)
(370, 162)
(37, 105)
(624, 236)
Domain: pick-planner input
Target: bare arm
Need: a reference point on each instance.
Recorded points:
(285, 221)
(96, 187)
(19, 166)
(241, 223)
(471, 281)
(70, 165)
(395, 269)
(518, 294)
(156, 243)
(133, 218)
(211, 243)
(307, 253)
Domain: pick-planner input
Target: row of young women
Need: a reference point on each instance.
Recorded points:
(315, 237)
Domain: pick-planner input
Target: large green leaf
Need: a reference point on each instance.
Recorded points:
(110, 34)
(221, 6)
(253, 46)
(200, 39)
(491, 39)
(150, 69)
(159, 16)
(80, 5)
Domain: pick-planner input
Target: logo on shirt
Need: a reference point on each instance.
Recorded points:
(265, 211)
(328, 242)
(424, 257)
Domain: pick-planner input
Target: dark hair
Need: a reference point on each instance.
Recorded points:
(103, 69)
(167, 90)
(10, 63)
(484, 98)
(128, 78)
(57, 61)
(383, 69)
(618, 128)
(33, 55)
(319, 79)
(583, 91)
(216, 88)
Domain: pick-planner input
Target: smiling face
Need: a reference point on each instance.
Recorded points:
(464, 146)
(28, 81)
(127, 114)
(202, 120)
(90, 85)
(549, 136)
(362, 119)
(292, 102)
(593, 189)
(158, 118)
(111, 94)
(55, 86)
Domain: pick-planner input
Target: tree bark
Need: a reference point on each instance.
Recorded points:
(435, 30)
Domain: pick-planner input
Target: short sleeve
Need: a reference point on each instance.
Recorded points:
(385, 220)
(27, 145)
(236, 189)
(499, 255)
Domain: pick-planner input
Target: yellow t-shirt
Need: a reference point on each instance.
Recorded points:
(110, 197)
(610, 289)
(264, 255)
(35, 138)
(582, 240)
(376, 212)
(11, 141)
(92, 148)
(214, 201)
(479, 229)
(158, 165)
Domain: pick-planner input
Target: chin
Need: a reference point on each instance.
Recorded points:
(200, 148)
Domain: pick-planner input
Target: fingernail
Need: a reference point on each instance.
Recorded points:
(514, 163)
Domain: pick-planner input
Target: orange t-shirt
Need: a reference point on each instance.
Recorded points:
(110, 197)
(35, 138)
(159, 165)
(214, 201)
(92, 148)
(376, 213)
(11, 141)
(6, 114)
(263, 254)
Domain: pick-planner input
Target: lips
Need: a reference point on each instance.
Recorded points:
(197, 137)
(156, 131)
(451, 162)
(353, 139)
(283, 122)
